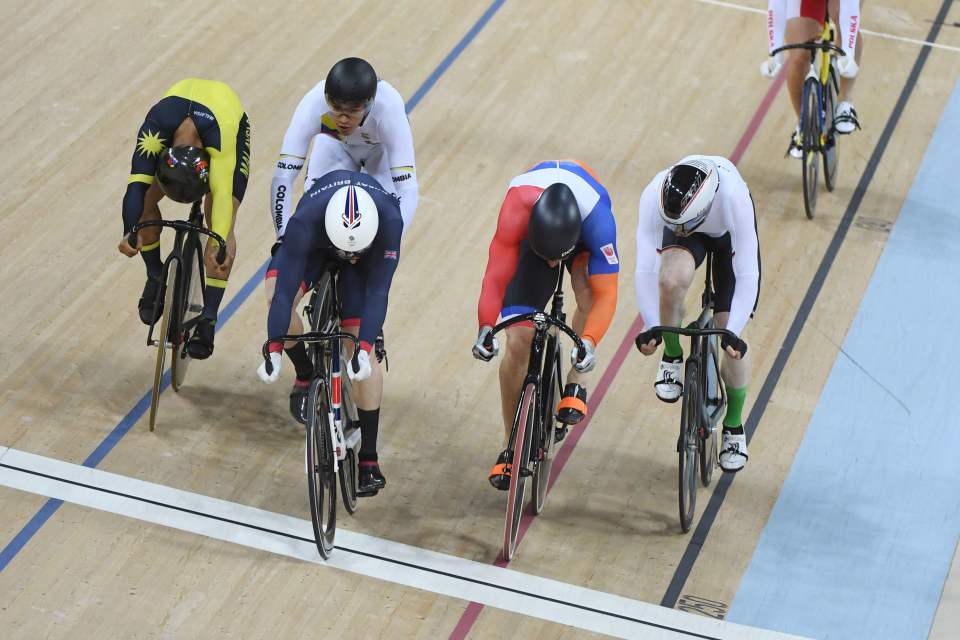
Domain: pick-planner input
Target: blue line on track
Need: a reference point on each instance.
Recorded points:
(50, 507)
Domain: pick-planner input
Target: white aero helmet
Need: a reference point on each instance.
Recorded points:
(351, 221)
(687, 192)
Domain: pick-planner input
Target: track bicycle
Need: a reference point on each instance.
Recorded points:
(704, 398)
(182, 292)
(817, 108)
(333, 430)
(533, 435)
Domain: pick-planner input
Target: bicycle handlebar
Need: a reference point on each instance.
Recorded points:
(538, 318)
(180, 225)
(811, 46)
(656, 333)
(311, 336)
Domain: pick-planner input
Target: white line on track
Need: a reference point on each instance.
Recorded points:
(366, 555)
(878, 34)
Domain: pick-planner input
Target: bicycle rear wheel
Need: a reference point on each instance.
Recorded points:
(711, 398)
(831, 158)
(521, 455)
(321, 477)
(168, 324)
(348, 480)
(189, 305)
(810, 110)
(687, 443)
(546, 442)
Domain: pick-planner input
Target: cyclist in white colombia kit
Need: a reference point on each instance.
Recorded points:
(700, 205)
(356, 123)
(796, 21)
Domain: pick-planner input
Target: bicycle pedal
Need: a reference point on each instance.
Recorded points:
(525, 472)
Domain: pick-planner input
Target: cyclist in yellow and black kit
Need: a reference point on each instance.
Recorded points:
(194, 141)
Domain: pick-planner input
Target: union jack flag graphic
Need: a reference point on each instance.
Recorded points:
(351, 214)
(389, 255)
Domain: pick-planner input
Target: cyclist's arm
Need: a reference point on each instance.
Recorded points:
(151, 140)
(504, 254)
(222, 166)
(382, 263)
(397, 139)
(746, 261)
(290, 264)
(304, 125)
(776, 23)
(600, 237)
(649, 240)
(849, 26)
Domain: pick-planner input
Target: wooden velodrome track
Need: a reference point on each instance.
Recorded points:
(627, 87)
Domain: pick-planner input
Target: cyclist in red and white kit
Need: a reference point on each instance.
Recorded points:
(796, 21)
(356, 122)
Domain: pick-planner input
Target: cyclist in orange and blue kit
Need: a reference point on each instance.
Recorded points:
(195, 140)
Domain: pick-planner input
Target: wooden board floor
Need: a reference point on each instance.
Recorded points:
(606, 83)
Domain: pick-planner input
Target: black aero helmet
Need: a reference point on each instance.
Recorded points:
(183, 173)
(554, 223)
(351, 81)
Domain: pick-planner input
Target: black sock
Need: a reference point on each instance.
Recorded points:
(151, 258)
(212, 297)
(737, 431)
(369, 423)
(301, 361)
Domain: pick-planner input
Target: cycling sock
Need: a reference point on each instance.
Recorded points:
(212, 297)
(369, 424)
(735, 400)
(301, 361)
(151, 258)
(671, 345)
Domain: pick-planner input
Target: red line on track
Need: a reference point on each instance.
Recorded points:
(469, 617)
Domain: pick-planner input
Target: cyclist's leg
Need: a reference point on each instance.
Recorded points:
(150, 253)
(328, 154)
(847, 15)
(804, 23)
(201, 343)
(572, 407)
(735, 373)
(679, 259)
(366, 394)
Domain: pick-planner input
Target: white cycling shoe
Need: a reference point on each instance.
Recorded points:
(845, 118)
(795, 150)
(668, 385)
(733, 452)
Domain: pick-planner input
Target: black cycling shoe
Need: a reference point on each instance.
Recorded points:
(298, 400)
(150, 308)
(500, 473)
(371, 480)
(560, 432)
(573, 405)
(200, 346)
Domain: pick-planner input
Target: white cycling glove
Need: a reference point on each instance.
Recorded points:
(276, 359)
(363, 367)
(587, 362)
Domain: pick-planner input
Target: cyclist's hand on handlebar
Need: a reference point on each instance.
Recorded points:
(735, 347)
(772, 65)
(363, 370)
(486, 345)
(646, 344)
(587, 362)
(125, 247)
(269, 371)
(848, 67)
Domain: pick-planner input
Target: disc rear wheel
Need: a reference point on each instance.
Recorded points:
(831, 158)
(546, 442)
(189, 305)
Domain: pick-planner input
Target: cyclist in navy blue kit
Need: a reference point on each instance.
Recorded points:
(348, 217)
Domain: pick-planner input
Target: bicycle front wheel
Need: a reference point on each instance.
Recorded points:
(169, 289)
(189, 297)
(831, 158)
(687, 444)
(321, 476)
(810, 125)
(545, 441)
(518, 480)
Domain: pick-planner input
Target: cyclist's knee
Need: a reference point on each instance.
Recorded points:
(518, 343)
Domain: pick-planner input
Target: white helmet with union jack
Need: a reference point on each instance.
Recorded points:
(351, 221)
